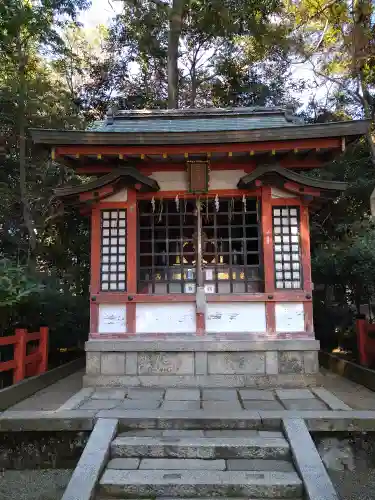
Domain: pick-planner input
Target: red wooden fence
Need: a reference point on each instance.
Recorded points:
(27, 360)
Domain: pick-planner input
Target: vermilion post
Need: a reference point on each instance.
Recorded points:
(43, 349)
(361, 341)
(20, 355)
(131, 256)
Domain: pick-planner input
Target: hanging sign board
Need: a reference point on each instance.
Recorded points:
(198, 176)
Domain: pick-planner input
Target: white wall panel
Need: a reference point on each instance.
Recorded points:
(166, 318)
(112, 318)
(171, 181)
(225, 179)
(121, 195)
(290, 317)
(236, 317)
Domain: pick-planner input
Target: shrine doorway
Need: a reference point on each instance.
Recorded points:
(227, 260)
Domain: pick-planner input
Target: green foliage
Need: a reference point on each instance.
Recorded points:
(16, 286)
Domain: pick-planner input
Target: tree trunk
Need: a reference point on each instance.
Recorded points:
(175, 27)
(26, 211)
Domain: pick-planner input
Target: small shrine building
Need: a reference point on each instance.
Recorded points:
(200, 247)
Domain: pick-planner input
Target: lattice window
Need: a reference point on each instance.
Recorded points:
(231, 246)
(287, 247)
(113, 250)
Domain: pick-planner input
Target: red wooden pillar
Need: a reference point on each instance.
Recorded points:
(306, 268)
(95, 268)
(43, 349)
(20, 356)
(362, 340)
(131, 257)
(268, 257)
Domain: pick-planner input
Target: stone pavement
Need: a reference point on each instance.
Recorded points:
(212, 400)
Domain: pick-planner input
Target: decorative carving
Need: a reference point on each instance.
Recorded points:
(198, 176)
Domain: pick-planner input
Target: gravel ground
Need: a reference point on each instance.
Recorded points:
(34, 484)
(357, 485)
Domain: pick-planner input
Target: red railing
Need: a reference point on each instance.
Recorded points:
(27, 360)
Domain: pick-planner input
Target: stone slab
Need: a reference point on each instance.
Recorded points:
(254, 465)
(181, 405)
(123, 463)
(181, 464)
(142, 433)
(294, 394)
(109, 394)
(183, 394)
(158, 419)
(204, 448)
(316, 481)
(139, 404)
(77, 399)
(214, 381)
(112, 363)
(256, 484)
(262, 405)
(74, 420)
(207, 344)
(221, 406)
(145, 393)
(100, 404)
(291, 362)
(236, 363)
(332, 401)
(232, 433)
(92, 462)
(93, 363)
(257, 395)
(183, 433)
(164, 363)
(304, 404)
(219, 395)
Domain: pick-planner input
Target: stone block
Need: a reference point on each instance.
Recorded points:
(245, 363)
(113, 363)
(181, 405)
(311, 362)
(294, 394)
(220, 395)
(109, 394)
(291, 362)
(200, 363)
(123, 463)
(131, 363)
(260, 465)
(183, 394)
(183, 433)
(145, 393)
(257, 395)
(272, 363)
(181, 464)
(262, 405)
(202, 483)
(208, 448)
(139, 404)
(219, 406)
(92, 462)
(332, 401)
(317, 483)
(93, 363)
(100, 404)
(165, 363)
(304, 404)
(231, 433)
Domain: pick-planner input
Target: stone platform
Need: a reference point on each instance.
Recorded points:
(209, 361)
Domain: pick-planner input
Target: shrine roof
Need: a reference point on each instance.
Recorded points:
(195, 120)
(273, 173)
(199, 126)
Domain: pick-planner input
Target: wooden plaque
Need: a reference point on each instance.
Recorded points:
(198, 176)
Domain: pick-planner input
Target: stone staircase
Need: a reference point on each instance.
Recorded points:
(155, 463)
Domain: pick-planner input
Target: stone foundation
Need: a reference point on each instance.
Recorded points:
(202, 362)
